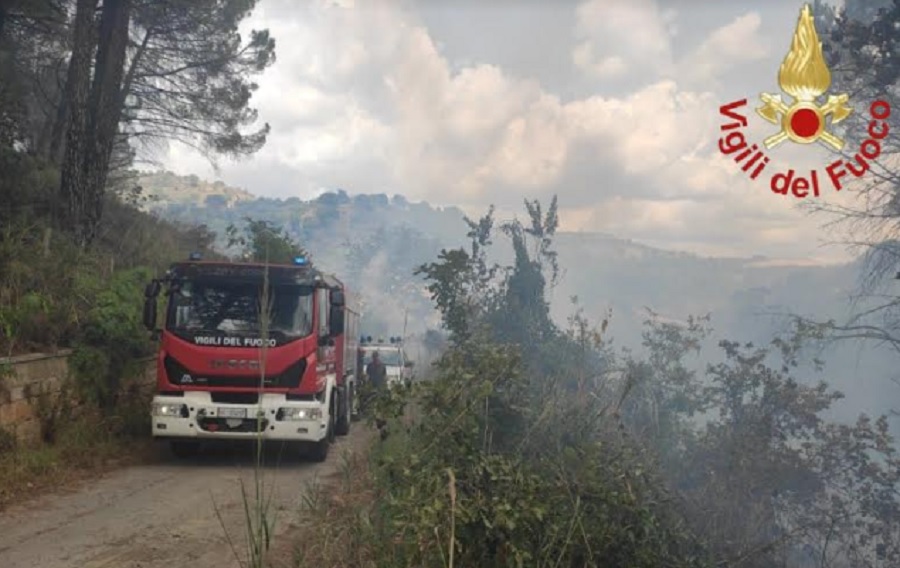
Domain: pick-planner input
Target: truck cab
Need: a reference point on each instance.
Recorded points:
(224, 372)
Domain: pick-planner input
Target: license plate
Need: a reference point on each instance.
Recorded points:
(232, 412)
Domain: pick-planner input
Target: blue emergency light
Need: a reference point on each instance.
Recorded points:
(196, 256)
(300, 260)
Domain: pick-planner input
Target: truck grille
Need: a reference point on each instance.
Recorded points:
(210, 424)
(178, 374)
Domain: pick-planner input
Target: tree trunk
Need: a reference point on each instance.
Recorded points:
(3, 10)
(72, 182)
(106, 108)
(56, 147)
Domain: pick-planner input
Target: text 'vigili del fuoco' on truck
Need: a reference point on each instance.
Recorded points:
(226, 373)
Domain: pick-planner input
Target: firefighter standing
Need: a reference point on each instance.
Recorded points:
(377, 374)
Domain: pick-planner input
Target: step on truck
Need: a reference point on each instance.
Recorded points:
(224, 375)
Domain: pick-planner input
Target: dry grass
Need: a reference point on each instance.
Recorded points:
(333, 526)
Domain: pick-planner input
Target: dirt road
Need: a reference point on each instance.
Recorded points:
(161, 515)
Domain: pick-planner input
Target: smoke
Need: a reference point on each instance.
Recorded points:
(382, 305)
(392, 302)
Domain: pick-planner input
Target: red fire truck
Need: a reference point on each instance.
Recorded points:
(219, 376)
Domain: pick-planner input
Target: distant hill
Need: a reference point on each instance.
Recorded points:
(369, 236)
(361, 236)
(167, 188)
(375, 242)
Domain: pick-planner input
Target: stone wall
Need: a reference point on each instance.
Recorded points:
(24, 377)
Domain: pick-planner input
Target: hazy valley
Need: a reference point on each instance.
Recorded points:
(376, 241)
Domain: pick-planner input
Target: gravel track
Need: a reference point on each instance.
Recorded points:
(162, 514)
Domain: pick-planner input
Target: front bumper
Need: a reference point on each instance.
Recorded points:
(195, 415)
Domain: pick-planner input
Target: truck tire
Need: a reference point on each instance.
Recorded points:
(343, 423)
(319, 450)
(182, 449)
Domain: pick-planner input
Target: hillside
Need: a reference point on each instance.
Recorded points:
(376, 241)
(167, 188)
(365, 237)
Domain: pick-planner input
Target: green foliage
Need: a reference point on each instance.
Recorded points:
(861, 46)
(28, 184)
(535, 446)
(509, 462)
(113, 339)
(766, 478)
(534, 484)
(175, 70)
(194, 78)
(53, 410)
(854, 29)
(262, 241)
(36, 304)
(461, 282)
(158, 71)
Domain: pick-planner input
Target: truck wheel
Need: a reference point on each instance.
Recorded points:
(320, 449)
(182, 450)
(343, 423)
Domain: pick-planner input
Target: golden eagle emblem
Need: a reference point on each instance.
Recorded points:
(805, 76)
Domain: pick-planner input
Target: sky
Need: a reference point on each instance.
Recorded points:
(612, 105)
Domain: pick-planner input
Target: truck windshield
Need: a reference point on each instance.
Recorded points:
(390, 357)
(228, 307)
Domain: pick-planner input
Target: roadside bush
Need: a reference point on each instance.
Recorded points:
(564, 487)
(113, 339)
(515, 454)
(130, 416)
(51, 289)
(536, 446)
(54, 410)
(55, 295)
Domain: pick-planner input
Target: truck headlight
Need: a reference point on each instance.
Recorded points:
(300, 413)
(169, 409)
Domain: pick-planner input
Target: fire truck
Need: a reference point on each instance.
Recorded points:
(225, 373)
(396, 361)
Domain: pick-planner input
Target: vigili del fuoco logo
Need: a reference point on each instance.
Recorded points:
(804, 76)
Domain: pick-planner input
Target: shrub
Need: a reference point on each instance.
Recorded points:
(113, 339)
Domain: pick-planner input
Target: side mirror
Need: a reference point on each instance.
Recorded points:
(150, 313)
(337, 321)
(408, 364)
(152, 289)
(337, 298)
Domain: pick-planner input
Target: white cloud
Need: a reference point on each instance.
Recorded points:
(363, 98)
(617, 36)
(728, 47)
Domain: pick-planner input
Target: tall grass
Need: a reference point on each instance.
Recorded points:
(258, 520)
